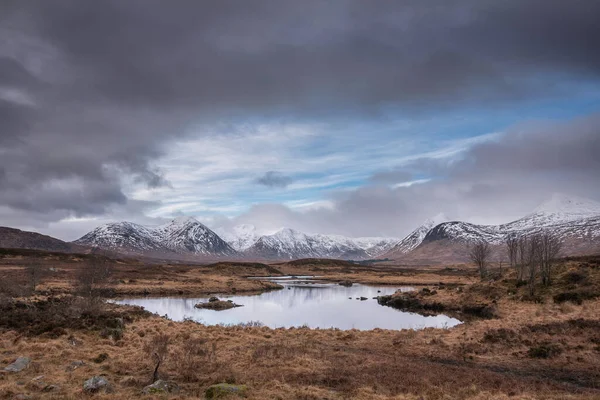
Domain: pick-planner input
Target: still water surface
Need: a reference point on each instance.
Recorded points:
(303, 301)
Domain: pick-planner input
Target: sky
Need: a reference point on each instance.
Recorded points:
(344, 117)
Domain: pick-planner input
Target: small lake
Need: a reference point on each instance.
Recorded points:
(302, 302)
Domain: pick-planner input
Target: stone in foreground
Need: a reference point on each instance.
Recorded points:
(225, 389)
(161, 387)
(97, 384)
(19, 365)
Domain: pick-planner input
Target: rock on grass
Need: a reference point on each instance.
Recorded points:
(225, 389)
(97, 384)
(19, 365)
(161, 387)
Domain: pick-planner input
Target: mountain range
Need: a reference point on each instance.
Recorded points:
(183, 236)
(189, 237)
(575, 220)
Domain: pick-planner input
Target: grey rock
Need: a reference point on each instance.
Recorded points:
(161, 387)
(19, 365)
(224, 390)
(74, 365)
(96, 384)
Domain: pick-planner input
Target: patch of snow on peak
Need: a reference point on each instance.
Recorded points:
(240, 237)
(415, 238)
(560, 203)
(436, 220)
(183, 220)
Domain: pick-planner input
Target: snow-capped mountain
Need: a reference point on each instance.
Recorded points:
(183, 235)
(240, 237)
(292, 244)
(575, 220)
(415, 238)
(375, 246)
(567, 217)
(559, 209)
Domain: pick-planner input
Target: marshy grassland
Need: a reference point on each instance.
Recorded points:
(512, 344)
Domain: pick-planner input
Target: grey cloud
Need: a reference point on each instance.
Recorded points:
(274, 179)
(494, 182)
(113, 82)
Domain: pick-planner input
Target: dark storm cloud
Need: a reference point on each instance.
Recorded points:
(91, 91)
(564, 147)
(274, 179)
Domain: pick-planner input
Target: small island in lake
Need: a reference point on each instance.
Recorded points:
(216, 304)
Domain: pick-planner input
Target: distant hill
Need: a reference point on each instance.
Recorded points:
(11, 238)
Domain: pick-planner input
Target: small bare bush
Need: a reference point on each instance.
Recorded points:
(479, 255)
(35, 273)
(193, 357)
(91, 279)
(158, 349)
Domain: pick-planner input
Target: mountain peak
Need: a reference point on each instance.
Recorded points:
(184, 220)
(436, 220)
(288, 233)
(561, 203)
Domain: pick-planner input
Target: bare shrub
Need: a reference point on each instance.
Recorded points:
(479, 255)
(512, 245)
(158, 349)
(35, 273)
(91, 278)
(532, 257)
(550, 247)
(10, 289)
(193, 357)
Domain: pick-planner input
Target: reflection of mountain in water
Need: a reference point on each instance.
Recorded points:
(315, 305)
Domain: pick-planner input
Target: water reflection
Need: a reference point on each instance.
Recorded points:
(301, 302)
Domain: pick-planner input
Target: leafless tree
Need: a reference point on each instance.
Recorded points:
(92, 276)
(550, 247)
(35, 273)
(532, 260)
(512, 245)
(479, 255)
(522, 257)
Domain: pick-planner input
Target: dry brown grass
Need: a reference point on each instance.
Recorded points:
(133, 277)
(308, 364)
(481, 359)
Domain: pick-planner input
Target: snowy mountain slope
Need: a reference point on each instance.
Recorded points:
(575, 220)
(564, 216)
(559, 209)
(241, 237)
(180, 236)
(375, 246)
(414, 239)
(188, 235)
(122, 235)
(292, 244)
